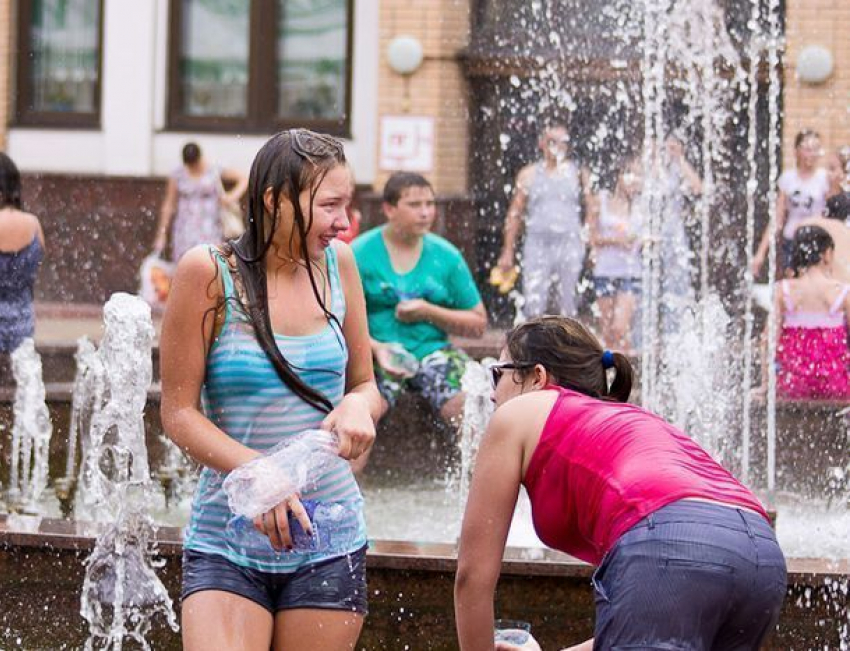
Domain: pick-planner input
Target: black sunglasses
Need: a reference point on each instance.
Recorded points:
(497, 369)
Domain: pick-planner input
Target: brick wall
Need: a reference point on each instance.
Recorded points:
(437, 89)
(823, 107)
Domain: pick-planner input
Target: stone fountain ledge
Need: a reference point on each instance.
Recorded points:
(30, 531)
(410, 592)
(27, 531)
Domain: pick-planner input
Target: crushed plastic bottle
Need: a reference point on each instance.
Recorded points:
(403, 359)
(335, 529)
(293, 467)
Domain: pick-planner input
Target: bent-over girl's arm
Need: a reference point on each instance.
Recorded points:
(486, 521)
(187, 330)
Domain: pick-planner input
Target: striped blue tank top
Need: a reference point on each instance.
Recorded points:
(244, 396)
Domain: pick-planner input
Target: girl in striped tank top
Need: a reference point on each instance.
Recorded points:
(262, 339)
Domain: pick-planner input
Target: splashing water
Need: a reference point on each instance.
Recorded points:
(114, 451)
(177, 475)
(477, 409)
(697, 362)
(87, 393)
(31, 431)
(121, 592)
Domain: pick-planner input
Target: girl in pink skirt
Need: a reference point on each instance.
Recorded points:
(813, 307)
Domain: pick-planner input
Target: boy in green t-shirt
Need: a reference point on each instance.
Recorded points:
(419, 291)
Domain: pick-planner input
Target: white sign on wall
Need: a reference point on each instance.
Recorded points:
(407, 143)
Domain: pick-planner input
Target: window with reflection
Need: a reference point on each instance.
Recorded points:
(312, 58)
(214, 51)
(260, 66)
(59, 66)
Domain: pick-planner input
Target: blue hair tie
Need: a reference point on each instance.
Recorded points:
(607, 360)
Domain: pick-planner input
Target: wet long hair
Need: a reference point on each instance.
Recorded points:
(571, 355)
(808, 247)
(10, 183)
(289, 163)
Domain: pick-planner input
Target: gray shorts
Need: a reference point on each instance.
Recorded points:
(692, 576)
(334, 584)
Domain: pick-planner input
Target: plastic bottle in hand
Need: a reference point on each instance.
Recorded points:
(335, 528)
(293, 467)
(403, 359)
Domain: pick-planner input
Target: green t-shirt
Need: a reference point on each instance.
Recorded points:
(440, 277)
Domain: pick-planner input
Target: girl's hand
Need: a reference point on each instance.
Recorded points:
(412, 311)
(384, 358)
(274, 523)
(353, 424)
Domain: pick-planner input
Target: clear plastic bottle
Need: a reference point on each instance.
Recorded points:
(335, 528)
(403, 359)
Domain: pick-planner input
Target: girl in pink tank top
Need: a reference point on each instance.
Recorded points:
(811, 354)
(685, 552)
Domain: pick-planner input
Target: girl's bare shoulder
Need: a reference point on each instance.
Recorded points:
(530, 408)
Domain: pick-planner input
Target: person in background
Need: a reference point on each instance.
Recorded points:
(191, 211)
(838, 193)
(813, 310)
(802, 194)
(21, 253)
(686, 555)
(615, 223)
(547, 205)
(419, 291)
(269, 334)
(836, 218)
(679, 183)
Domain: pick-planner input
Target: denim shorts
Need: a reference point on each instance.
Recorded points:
(607, 287)
(334, 584)
(692, 576)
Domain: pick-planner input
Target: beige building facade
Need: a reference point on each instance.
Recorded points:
(824, 107)
(438, 89)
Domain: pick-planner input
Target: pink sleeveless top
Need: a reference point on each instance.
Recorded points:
(600, 467)
(812, 356)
